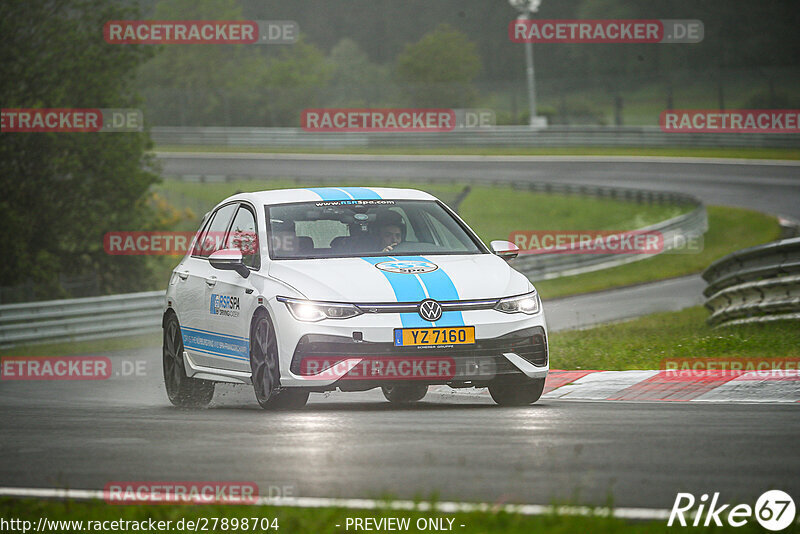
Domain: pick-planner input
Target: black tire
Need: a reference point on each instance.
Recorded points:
(182, 391)
(404, 394)
(264, 364)
(522, 394)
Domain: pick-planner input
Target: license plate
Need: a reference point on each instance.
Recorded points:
(415, 337)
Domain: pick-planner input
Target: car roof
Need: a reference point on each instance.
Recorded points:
(318, 194)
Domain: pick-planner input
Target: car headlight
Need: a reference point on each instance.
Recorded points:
(312, 311)
(527, 304)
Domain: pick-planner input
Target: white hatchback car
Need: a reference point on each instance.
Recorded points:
(312, 290)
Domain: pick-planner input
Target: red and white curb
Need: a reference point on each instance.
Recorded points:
(674, 386)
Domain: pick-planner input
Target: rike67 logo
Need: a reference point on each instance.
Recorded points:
(774, 510)
(224, 305)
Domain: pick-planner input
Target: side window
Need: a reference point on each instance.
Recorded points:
(213, 237)
(243, 236)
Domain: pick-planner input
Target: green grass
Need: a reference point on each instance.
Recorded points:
(747, 152)
(729, 229)
(324, 520)
(643, 343)
(201, 197)
(493, 212)
(97, 347)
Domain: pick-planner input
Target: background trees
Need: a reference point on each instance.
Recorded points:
(457, 53)
(60, 192)
(438, 70)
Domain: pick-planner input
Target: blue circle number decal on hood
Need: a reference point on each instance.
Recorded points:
(407, 266)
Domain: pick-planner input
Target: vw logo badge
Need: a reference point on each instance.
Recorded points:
(430, 310)
(407, 266)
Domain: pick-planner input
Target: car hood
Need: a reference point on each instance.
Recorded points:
(385, 279)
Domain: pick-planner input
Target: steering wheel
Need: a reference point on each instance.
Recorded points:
(401, 247)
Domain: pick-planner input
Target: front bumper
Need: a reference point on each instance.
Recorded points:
(512, 357)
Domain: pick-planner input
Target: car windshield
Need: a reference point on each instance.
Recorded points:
(354, 228)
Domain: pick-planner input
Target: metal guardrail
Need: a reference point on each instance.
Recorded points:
(755, 284)
(548, 266)
(80, 319)
(136, 313)
(508, 136)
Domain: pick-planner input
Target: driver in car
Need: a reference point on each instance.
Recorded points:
(391, 230)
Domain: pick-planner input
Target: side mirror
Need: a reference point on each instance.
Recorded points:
(229, 259)
(505, 249)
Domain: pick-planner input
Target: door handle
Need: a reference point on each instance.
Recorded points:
(184, 275)
(211, 282)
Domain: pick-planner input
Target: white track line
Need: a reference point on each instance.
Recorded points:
(468, 158)
(448, 507)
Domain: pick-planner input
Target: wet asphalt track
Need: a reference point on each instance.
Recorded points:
(86, 434)
(83, 435)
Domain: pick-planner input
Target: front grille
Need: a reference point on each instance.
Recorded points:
(529, 344)
(413, 307)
